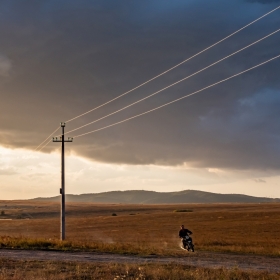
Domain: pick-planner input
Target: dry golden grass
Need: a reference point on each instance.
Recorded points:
(145, 229)
(18, 270)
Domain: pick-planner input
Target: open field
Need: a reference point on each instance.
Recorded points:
(142, 229)
(17, 270)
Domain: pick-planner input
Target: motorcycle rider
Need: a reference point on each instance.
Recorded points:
(184, 232)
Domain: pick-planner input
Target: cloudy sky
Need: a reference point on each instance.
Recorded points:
(59, 59)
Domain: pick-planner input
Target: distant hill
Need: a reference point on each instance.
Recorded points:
(151, 197)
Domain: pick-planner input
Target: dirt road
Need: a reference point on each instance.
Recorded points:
(199, 259)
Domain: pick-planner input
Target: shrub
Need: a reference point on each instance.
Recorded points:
(2, 213)
(114, 214)
(183, 210)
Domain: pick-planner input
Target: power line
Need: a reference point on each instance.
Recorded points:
(178, 98)
(174, 83)
(161, 75)
(175, 65)
(47, 139)
(45, 145)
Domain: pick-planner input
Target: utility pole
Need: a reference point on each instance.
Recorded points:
(62, 190)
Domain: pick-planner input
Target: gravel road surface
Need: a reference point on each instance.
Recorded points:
(198, 259)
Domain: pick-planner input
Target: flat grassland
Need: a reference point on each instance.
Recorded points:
(142, 229)
(18, 270)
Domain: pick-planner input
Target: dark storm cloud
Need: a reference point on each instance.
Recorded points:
(67, 57)
(263, 1)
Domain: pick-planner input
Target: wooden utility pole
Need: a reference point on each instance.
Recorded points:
(62, 189)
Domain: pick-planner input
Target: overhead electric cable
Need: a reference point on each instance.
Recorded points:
(178, 99)
(47, 139)
(175, 65)
(174, 83)
(45, 145)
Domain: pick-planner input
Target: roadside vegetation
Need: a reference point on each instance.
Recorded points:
(136, 248)
(18, 270)
(7, 242)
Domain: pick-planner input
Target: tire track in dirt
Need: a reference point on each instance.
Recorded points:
(197, 259)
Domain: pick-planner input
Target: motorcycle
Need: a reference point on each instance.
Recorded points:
(187, 243)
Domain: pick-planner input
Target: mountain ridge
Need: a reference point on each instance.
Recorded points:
(152, 197)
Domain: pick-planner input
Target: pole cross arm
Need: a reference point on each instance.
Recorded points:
(59, 139)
